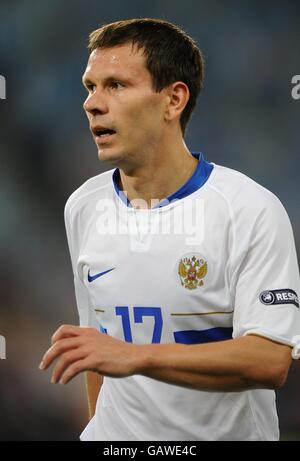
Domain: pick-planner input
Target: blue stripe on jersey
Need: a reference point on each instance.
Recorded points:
(197, 180)
(202, 336)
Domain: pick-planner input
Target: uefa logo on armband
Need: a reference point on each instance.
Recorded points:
(267, 297)
(283, 296)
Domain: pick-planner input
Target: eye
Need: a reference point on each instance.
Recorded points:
(91, 87)
(115, 85)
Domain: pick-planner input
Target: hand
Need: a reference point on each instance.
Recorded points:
(81, 348)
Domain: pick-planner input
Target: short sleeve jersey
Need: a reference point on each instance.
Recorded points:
(214, 262)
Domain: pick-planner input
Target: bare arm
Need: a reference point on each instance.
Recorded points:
(234, 365)
(93, 385)
(226, 366)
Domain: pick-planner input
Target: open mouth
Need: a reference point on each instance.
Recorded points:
(104, 132)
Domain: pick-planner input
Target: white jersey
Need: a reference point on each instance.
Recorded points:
(215, 262)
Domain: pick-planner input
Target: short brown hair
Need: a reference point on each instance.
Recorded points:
(171, 55)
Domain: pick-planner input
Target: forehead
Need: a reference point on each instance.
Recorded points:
(122, 59)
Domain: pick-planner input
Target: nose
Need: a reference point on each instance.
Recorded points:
(95, 104)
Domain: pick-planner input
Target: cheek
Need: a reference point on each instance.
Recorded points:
(148, 118)
(141, 118)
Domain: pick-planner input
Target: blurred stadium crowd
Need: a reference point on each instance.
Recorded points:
(246, 119)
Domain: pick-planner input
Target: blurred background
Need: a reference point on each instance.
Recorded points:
(246, 119)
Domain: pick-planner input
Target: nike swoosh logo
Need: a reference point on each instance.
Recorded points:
(91, 278)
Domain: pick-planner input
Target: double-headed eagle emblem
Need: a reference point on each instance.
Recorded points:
(191, 271)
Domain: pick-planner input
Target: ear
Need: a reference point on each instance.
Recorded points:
(178, 96)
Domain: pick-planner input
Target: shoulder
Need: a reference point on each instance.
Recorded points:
(81, 197)
(242, 194)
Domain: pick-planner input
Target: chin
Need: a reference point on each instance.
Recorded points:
(108, 155)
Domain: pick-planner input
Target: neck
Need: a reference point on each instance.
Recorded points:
(166, 173)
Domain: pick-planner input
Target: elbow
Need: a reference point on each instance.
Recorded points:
(270, 377)
(277, 378)
(268, 365)
(279, 368)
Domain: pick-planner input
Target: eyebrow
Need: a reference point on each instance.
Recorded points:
(88, 80)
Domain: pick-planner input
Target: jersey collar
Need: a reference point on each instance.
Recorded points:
(195, 182)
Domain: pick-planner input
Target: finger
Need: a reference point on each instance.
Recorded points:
(57, 349)
(65, 331)
(74, 369)
(65, 361)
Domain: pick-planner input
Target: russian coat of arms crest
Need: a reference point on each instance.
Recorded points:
(191, 271)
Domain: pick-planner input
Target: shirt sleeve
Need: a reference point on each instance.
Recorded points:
(266, 293)
(87, 316)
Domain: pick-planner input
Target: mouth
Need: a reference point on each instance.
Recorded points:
(103, 134)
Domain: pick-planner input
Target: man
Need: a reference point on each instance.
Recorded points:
(192, 327)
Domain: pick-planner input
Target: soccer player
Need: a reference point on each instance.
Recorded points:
(185, 271)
